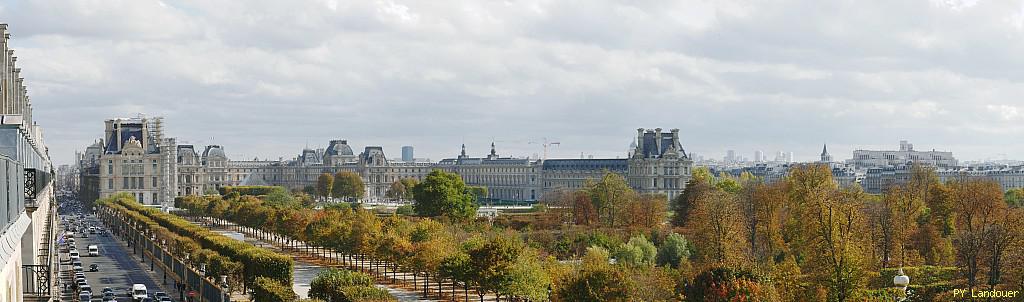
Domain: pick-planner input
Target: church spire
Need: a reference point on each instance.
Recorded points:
(463, 154)
(493, 152)
(825, 157)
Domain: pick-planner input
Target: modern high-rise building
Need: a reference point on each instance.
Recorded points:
(758, 156)
(407, 154)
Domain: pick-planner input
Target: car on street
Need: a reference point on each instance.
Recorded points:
(139, 292)
(94, 268)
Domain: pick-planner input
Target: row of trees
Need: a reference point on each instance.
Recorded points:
(488, 262)
(346, 185)
(256, 262)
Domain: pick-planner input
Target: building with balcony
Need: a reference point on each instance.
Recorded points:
(27, 207)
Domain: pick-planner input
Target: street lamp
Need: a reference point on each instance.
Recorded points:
(901, 281)
(202, 279)
(225, 286)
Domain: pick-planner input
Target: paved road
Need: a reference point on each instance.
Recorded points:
(118, 269)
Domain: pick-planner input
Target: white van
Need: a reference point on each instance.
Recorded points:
(139, 292)
(94, 250)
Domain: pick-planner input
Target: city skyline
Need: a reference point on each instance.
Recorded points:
(397, 73)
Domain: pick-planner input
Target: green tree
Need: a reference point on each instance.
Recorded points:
(409, 184)
(637, 252)
(324, 185)
(348, 185)
(673, 251)
(1015, 197)
(396, 191)
(494, 263)
(444, 194)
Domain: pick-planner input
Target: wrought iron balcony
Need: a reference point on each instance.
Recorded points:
(36, 280)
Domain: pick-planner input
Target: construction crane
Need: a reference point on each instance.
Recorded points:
(544, 142)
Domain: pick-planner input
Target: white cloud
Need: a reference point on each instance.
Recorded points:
(266, 76)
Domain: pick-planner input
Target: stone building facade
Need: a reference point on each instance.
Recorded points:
(136, 159)
(657, 164)
(28, 262)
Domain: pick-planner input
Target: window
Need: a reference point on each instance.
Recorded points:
(110, 184)
(125, 185)
(154, 181)
(110, 168)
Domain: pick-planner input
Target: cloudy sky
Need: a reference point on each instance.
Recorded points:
(266, 78)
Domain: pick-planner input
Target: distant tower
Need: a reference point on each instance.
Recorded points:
(494, 153)
(407, 154)
(758, 156)
(463, 154)
(825, 157)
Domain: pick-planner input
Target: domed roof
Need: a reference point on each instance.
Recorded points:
(214, 150)
(339, 147)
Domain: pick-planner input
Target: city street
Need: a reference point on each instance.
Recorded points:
(118, 268)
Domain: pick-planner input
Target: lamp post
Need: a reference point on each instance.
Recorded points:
(901, 281)
(202, 279)
(226, 287)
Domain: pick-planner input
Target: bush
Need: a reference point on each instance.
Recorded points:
(920, 275)
(344, 286)
(270, 290)
(405, 210)
(253, 190)
(725, 284)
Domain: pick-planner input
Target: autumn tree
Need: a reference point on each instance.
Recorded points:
(836, 226)
(715, 226)
(596, 280)
(324, 185)
(505, 265)
(645, 211)
(761, 206)
(986, 228)
(683, 204)
(609, 195)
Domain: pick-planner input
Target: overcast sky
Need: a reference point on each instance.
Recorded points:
(266, 78)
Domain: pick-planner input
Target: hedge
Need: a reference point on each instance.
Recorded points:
(256, 261)
(219, 265)
(925, 274)
(346, 286)
(251, 190)
(269, 290)
(927, 283)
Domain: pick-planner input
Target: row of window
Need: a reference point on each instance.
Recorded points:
(131, 183)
